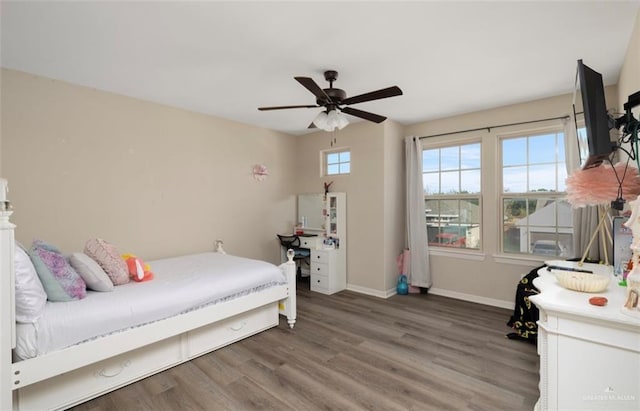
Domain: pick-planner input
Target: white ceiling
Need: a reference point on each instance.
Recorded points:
(228, 58)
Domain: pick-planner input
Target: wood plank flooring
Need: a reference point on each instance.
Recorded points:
(354, 352)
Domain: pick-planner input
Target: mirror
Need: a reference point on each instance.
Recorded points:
(310, 207)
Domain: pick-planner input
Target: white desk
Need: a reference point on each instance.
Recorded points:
(589, 355)
(328, 268)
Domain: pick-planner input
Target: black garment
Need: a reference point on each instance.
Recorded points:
(525, 313)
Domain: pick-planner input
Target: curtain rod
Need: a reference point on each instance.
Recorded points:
(500, 125)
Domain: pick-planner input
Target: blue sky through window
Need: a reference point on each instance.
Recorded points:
(454, 169)
(534, 163)
(339, 162)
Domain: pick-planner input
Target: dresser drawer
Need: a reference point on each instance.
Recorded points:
(319, 269)
(101, 377)
(308, 242)
(319, 256)
(219, 334)
(319, 284)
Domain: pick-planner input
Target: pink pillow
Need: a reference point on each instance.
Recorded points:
(108, 257)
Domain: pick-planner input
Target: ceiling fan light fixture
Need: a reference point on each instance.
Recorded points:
(322, 121)
(342, 121)
(337, 120)
(330, 121)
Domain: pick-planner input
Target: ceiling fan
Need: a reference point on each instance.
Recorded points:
(335, 102)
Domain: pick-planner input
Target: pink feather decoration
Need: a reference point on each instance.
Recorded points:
(599, 185)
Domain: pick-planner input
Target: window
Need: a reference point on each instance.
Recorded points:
(536, 217)
(452, 189)
(337, 162)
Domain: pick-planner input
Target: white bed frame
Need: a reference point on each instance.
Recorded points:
(81, 372)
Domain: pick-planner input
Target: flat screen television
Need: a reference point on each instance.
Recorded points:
(594, 143)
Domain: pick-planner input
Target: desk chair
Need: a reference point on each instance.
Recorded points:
(300, 255)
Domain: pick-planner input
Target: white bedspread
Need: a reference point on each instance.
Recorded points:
(180, 284)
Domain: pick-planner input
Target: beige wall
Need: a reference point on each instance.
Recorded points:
(394, 201)
(154, 180)
(629, 80)
(365, 195)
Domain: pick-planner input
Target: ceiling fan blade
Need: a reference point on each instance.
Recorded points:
(313, 87)
(363, 114)
(285, 107)
(373, 95)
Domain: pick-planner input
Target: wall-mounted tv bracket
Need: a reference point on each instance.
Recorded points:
(629, 126)
(627, 121)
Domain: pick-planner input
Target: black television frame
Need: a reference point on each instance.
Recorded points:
(597, 144)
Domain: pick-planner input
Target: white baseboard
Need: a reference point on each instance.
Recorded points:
(435, 291)
(472, 298)
(372, 292)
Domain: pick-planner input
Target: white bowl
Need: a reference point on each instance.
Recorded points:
(584, 282)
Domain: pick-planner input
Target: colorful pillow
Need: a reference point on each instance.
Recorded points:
(30, 295)
(91, 272)
(59, 280)
(109, 259)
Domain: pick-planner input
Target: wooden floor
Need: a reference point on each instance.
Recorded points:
(351, 352)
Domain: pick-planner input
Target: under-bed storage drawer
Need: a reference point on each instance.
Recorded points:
(219, 334)
(101, 377)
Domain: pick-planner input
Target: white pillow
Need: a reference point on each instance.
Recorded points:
(30, 295)
(91, 272)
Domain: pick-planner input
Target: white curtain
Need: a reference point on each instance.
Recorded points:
(419, 272)
(585, 219)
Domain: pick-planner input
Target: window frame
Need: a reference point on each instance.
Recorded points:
(472, 140)
(324, 160)
(501, 195)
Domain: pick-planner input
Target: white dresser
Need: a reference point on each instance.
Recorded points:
(328, 274)
(589, 355)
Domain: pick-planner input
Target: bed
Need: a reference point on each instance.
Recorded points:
(42, 371)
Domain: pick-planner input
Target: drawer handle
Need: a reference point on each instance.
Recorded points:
(238, 326)
(113, 371)
(318, 268)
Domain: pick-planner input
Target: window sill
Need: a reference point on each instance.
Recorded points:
(458, 253)
(526, 260)
(473, 255)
